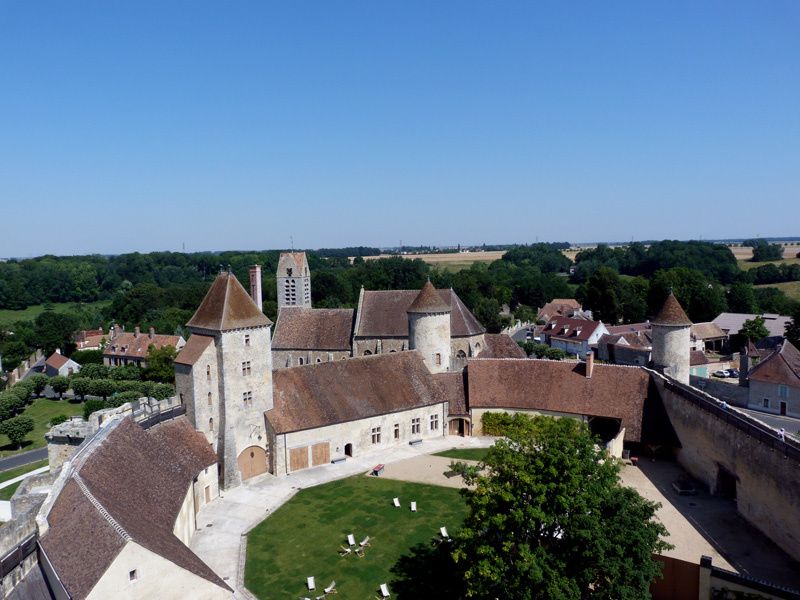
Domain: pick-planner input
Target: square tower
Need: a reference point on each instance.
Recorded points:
(225, 378)
(294, 280)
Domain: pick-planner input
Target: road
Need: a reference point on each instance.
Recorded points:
(790, 424)
(24, 458)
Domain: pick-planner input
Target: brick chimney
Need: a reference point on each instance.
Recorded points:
(589, 364)
(152, 333)
(255, 285)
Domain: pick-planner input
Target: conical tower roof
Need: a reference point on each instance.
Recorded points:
(227, 306)
(672, 313)
(428, 301)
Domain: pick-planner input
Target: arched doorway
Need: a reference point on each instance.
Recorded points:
(348, 450)
(252, 461)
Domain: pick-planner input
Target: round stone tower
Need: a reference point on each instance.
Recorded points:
(429, 328)
(672, 340)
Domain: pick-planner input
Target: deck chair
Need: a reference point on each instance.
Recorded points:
(365, 542)
(360, 552)
(344, 551)
(331, 589)
(413, 507)
(396, 502)
(310, 582)
(351, 539)
(443, 531)
(384, 591)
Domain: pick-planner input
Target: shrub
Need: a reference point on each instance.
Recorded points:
(58, 419)
(87, 357)
(126, 373)
(92, 406)
(23, 391)
(555, 354)
(102, 387)
(495, 423)
(162, 391)
(81, 386)
(131, 386)
(39, 382)
(60, 385)
(123, 397)
(94, 371)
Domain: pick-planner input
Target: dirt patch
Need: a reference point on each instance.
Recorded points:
(425, 469)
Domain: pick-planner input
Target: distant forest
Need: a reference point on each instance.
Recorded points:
(162, 289)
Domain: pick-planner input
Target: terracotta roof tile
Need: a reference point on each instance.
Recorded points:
(56, 360)
(347, 390)
(313, 329)
(706, 331)
(672, 313)
(428, 301)
(193, 349)
(227, 306)
(567, 328)
(697, 357)
(500, 345)
(137, 345)
(453, 390)
(782, 366)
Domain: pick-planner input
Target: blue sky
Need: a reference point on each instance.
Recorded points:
(224, 125)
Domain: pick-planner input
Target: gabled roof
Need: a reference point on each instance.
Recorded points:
(782, 366)
(500, 345)
(672, 313)
(732, 322)
(383, 314)
(629, 328)
(328, 393)
(193, 349)
(563, 307)
(568, 328)
(136, 344)
(452, 389)
(697, 357)
(313, 329)
(126, 484)
(227, 306)
(707, 331)
(428, 301)
(56, 360)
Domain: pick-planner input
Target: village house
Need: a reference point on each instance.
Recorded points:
(775, 382)
(573, 336)
(89, 339)
(132, 348)
(58, 364)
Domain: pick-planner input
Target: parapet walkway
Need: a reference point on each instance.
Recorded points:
(223, 525)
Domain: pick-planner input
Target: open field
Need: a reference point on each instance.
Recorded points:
(310, 529)
(450, 262)
(41, 411)
(10, 316)
(746, 265)
(790, 288)
(746, 253)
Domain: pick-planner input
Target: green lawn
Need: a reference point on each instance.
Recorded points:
(41, 411)
(7, 492)
(28, 314)
(302, 538)
(790, 288)
(464, 453)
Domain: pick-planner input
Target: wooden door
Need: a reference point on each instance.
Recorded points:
(252, 461)
(298, 458)
(320, 453)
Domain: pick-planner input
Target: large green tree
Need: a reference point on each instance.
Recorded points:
(754, 329)
(160, 364)
(793, 327)
(551, 520)
(16, 429)
(601, 295)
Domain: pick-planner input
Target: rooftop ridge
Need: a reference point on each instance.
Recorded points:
(100, 508)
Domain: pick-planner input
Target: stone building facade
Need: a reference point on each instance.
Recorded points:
(671, 334)
(293, 280)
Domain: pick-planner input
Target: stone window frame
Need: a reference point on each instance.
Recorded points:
(434, 422)
(246, 368)
(376, 435)
(416, 425)
(246, 339)
(397, 431)
(247, 398)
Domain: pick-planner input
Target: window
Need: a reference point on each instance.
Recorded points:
(397, 431)
(376, 435)
(247, 397)
(415, 425)
(211, 424)
(246, 370)
(438, 359)
(209, 398)
(133, 575)
(301, 361)
(208, 372)
(434, 422)
(783, 391)
(247, 339)
(766, 402)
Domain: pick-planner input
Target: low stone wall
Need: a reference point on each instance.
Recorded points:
(733, 394)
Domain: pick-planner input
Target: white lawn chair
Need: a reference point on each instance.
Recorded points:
(396, 502)
(443, 531)
(311, 584)
(384, 591)
(413, 507)
(344, 551)
(365, 542)
(351, 539)
(360, 552)
(331, 589)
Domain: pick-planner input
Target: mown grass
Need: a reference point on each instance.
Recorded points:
(302, 538)
(41, 411)
(7, 317)
(464, 453)
(7, 492)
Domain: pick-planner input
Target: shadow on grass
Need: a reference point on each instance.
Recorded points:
(14, 448)
(427, 572)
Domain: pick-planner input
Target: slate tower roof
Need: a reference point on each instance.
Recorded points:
(226, 306)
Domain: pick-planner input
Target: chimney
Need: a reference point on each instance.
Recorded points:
(152, 333)
(255, 285)
(744, 366)
(589, 364)
(58, 350)
(136, 331)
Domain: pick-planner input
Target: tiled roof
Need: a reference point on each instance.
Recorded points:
(561, 386)
(698, 357)
(707, 331)
(567, 328)
(782, 366)
(193, 349)
(227, 306)
(313, 329)
(672, 313)
(452, 389)
(136, 345)
(638, 339)
(500, 345)
(328, 393)
(384, 314)
(629, 328)
(428, 301)
(56, 360)
(129, 485)
(732, 322)
(561, 307)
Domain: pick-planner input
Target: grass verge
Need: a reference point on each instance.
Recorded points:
(7, 492)
(464, 453)
(41, 411)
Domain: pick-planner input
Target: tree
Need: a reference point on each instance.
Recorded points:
(754, 329)
(601, 295)
(793, 328)
(23, 390)
(39, 382)
(741, 298)
(94, 371)
(160, 364)
(81, 386)
(551, 520)
(763, 251)
(58, 419)
(54, 330)
(60, 384)
(16, 429)
(487, 311)
(102, 387)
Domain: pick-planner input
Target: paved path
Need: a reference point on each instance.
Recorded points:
(222, 524)
(790, 424)
(24, 458)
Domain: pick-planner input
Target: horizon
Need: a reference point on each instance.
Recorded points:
(130, 128)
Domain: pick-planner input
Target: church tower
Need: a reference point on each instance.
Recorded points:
(224, 377)
(294, 280)
(429, 328)
(672, 340)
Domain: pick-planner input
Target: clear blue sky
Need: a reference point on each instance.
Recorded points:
(143, 125)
